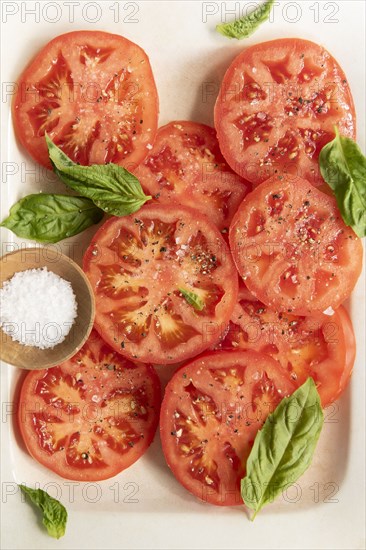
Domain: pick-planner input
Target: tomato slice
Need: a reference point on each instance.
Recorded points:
(138, 266)
(94, 94)
(277, 107)
(211, 412)
(292, 248)
(92, 416)
(318, 346)
(186, 166)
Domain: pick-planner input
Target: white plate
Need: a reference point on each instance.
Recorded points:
(144, 507)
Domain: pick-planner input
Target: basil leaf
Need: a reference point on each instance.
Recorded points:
(284, 447)
(54, 513)
(111, 187)
(246, 26)
(193, 299)
(51, 218)
(343, 166)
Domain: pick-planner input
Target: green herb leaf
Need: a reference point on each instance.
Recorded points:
(246, 26)
(54, 513)
(51, 218)
(193, 299)
(343, 166)
(111, 187)
(284, 447)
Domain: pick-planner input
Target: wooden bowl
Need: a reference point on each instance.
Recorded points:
(30, 357)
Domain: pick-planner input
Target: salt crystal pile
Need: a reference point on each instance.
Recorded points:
(37, 308)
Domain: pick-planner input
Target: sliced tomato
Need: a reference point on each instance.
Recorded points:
(92, 416)
(292, 248)
(211, 412)
(318, 346)
(277, 107)
(138, 267)
(94, 94)
(186, 166)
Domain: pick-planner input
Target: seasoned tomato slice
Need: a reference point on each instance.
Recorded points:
(144, 268)
(94, 94)
(211, 412)
(186, 166)
(92, 416)
(318, 346)
(292, 248)
(277, 107)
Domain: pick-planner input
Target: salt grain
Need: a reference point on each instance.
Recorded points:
(37, 308)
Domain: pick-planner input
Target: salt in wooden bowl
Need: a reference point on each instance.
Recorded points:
(33, 358)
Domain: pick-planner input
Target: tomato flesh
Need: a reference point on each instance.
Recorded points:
(186, 166)
(211, 412)
(92, 416)
(139, 264)
(292, 248)
(318, 346)
(94, 94)
(277, 107)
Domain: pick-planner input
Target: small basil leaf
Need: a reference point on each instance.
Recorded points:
(193, 299)
(343, 166)
(111, 187)
(284, 447)
(51, 218)
(247, 25)
(54, 513)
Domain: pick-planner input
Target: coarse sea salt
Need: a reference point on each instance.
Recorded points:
(37, 308)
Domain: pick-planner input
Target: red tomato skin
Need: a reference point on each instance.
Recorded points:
(58, 464)
(186, 166)
(320, 346)
(250, 165)
(174, 396)
(287, 233)
(184, 351)
(37, 147)
(350, 342)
